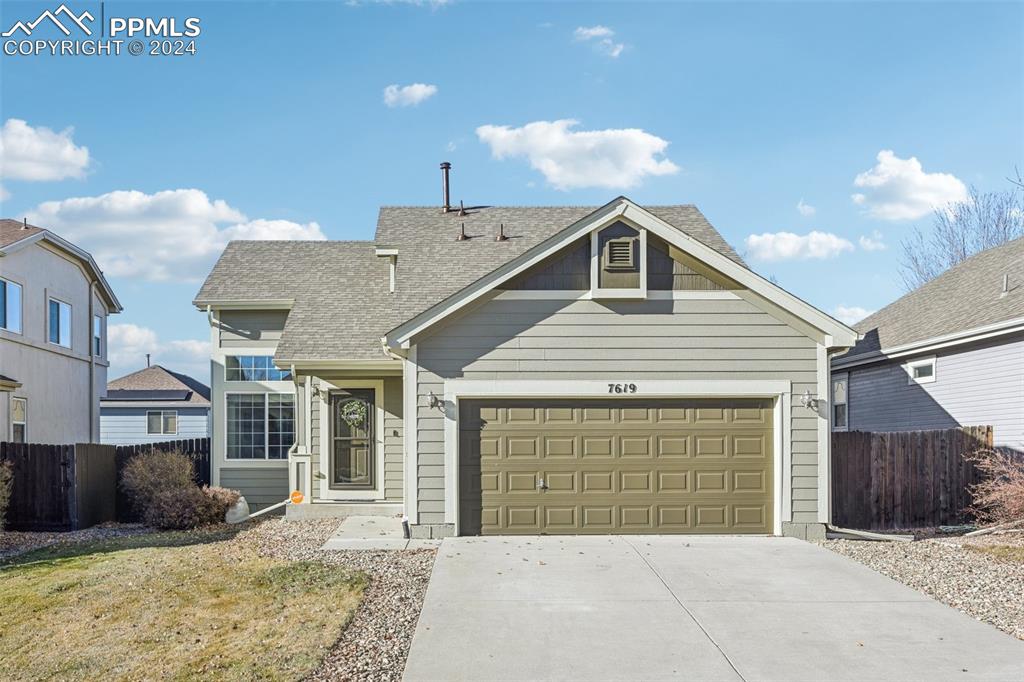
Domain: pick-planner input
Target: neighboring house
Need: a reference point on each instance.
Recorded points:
(154, 405)
(950, 353)
(612, 369)
(54, 303)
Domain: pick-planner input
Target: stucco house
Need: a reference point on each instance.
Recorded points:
(950, 353)
(54, 304)
(154, 405)
(523, 370)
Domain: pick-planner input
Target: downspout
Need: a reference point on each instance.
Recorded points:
(90, 337)
(300, 424)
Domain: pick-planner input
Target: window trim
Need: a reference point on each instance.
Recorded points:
(49, 323)
(23, 423)
(266, 460)
(910, 366)
(21, 306)
(162, 432)
(845, 378)
(325, 386)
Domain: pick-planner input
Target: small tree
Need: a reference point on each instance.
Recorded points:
(960, 230)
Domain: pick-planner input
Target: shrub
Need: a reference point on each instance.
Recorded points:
(150, 473)
(6, 482)
(178, 509)
(999, 498)
(221, 499)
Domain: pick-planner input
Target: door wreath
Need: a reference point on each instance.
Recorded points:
(353, 413)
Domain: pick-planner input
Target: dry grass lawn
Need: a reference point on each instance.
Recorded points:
(169, 606)
(1011, 553)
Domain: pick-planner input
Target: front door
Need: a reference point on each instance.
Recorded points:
(353, 455)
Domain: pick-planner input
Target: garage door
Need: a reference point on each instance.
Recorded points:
(615, 466)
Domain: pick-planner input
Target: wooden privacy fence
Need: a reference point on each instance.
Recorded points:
(196, 448)
(908, 479)
(60, 487)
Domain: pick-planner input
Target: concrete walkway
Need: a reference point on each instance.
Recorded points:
(373, 533)
(687, 608)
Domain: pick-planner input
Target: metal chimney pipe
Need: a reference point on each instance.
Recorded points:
(147, 359)
(445, 168)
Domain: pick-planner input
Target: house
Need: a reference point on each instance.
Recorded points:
(502, 370)
(154, 405)
(950, 353)
(54, 304)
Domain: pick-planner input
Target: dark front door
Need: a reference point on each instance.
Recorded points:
(353, 456)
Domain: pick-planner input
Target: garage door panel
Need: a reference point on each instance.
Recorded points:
(615, 466)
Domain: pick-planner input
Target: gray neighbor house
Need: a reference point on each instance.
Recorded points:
(154, 405)
(54, 304)
(523, 370)
(950, 353)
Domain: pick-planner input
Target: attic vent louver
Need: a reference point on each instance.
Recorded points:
(618, 254)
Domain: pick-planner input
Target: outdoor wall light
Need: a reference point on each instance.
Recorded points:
(433, 401)
(809, 401)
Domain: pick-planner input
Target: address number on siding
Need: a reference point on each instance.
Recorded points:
(622, 388)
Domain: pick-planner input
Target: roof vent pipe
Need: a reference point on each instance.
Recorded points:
(462, 234)
(445, 168)
(24, 223)
(1006, 286)
(501, 234)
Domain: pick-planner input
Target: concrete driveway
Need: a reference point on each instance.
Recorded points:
(687, 608)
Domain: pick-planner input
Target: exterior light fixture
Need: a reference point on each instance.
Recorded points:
(809, 401)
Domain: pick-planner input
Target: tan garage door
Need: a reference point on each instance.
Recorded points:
(615, 466)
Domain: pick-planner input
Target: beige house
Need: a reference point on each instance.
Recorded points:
(523, 370)
(54, 303)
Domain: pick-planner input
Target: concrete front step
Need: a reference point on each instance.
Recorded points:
(341, 510)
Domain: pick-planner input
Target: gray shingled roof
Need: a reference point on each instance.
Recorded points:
(342, 306)
(158, 379)
(14, 231)
(965, 297)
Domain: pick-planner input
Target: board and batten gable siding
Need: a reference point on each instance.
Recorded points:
(251, 328)
(979, 385)
(659, 339)
(394, 432)
(128, 425)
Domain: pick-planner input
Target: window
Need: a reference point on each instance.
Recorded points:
(10, 306)
(840, 407)
(97, 335)
(253, 368)
(162, 422)
(19, 420)
(920, 371)
(260, 425)
(60, 323)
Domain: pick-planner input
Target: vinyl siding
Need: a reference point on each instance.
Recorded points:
(658, 339)
(251, 328)
(979, 385)
(127, 425)
(261, 486)
(393, 439)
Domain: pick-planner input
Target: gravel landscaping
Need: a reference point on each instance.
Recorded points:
(13, 543)
(376, 642)
(970, 574)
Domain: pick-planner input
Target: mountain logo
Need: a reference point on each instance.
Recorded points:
(76, 20)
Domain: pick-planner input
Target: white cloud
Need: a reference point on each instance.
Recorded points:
(127, 345)
(850, 314)
(568, 159)
(601, 38)
(408, 95)
(38, 154)
(872, 243)
(169, 235)
(805, 209)
(775, 246)
(899, 189)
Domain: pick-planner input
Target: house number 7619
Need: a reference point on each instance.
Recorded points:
(622, 388)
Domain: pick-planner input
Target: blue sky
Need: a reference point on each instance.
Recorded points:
(280, 124)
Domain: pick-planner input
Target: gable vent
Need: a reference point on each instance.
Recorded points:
(619, 254)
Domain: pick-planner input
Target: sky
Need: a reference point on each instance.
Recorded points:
(815, 136)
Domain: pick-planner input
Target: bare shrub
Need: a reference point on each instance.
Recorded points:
(999, 498)
(221, 499)
(6, 483)
(149, 473)
(179, 509)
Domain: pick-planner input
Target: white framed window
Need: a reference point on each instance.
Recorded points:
(19, 420)
(920, 371)
(253, 368)
(59, 323)
(260, 426)
(840, 402)
(10, 306)
(97, 335)
(162, 422)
